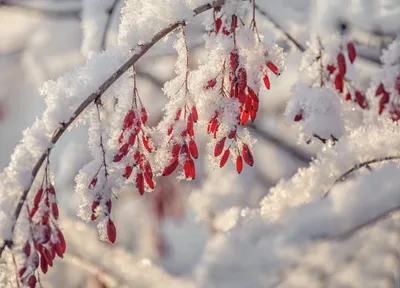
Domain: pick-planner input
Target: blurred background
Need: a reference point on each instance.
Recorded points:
(161, 236)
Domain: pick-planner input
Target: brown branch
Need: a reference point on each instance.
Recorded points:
(100, 91)
(359, 166)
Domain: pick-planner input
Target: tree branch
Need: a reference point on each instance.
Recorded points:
(359, 166)
(100, 91)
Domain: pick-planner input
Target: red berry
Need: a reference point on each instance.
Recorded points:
(247, 155)
(219, 147)
(239, 164)
(266, 82)
(140, 183)
(193, 148)
(143, 115)
(224, 158)
(38, 197)
(111, 231)
(171, 166)
(273, 68)
(341, 63)
(339, 83)
(218, 25)
(128, 171)
(351, 51)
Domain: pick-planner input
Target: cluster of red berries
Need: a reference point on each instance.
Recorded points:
(238, 89)
(340, 77)
(183, 147)
(132, 126)
(394, 110)
(46, 239)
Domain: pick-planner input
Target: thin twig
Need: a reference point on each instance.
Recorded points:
(100, 91)
(277, 26)
(281, 144)
(110, 17)
(359, 166)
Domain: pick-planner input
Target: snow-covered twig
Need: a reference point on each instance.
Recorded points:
(359, 166)
(143, 48)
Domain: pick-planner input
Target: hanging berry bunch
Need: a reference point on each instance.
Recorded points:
(179, 145)
(45, 240)
(233, 84)
(388, 87)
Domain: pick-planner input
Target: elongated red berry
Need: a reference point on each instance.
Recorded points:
(195, 114)
(147, 169)
(247, 104)
(186, 168)
(54, 210)
(38, 196)
(143, 115)
(218, 25)
(32, 281)
(43, 265)
(190, 124)
(351, 51)
(193, 148)
(170, 129)
(347, 97)
(361, 100)
(234, 60)
(339, 83)
(380, 90)
(140, 183)
(247, 155)
(176, 148)
(341, 63)
(254, 105)
(242, 97)
(219, 146)
(384, 100)
(111, 231)
(132, 139)
(253, 115)
(244, 117)
(21, 271)
(27, 249)
(146, 143)
(128, 171)
(239, 164)
(171, 166)
(274, 69)
(137, 158)
(224, 158)
(266, 82)
(242, 79)
(253, 95)
(93, 183)
(61, 240)
(128, 120)
(149, 181)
